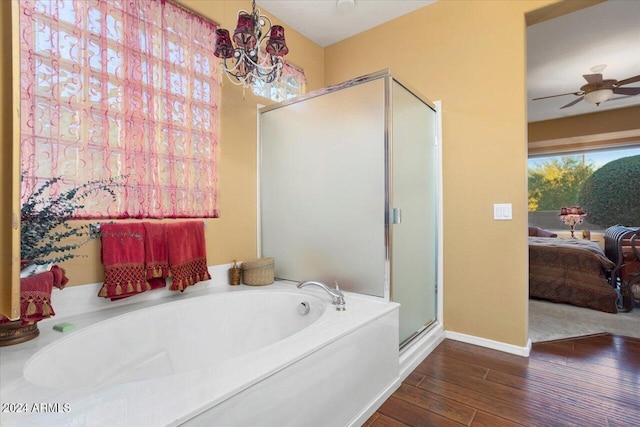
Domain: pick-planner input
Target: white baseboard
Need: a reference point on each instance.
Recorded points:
(412, 355)
(495, 345)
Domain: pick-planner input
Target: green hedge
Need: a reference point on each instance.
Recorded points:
(612, 194)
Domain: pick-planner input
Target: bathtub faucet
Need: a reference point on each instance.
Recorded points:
(336, 294)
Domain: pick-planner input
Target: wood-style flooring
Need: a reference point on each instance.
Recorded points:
(589, 381)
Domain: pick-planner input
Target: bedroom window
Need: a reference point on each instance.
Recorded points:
(602, 182)
(112, 87)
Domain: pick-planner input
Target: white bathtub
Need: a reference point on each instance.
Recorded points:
(233, 356)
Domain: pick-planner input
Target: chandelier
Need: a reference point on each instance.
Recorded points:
(245, 63)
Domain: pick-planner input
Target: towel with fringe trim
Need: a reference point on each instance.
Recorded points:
(35, 294)
(187, 254)
(155, 250)
(123, 257)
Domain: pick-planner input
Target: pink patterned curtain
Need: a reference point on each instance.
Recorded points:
(121, 87)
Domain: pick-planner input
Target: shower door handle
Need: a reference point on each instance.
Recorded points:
(396, 216)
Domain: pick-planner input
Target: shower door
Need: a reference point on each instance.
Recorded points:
(322, 188)
(413, 211)
(348, 193)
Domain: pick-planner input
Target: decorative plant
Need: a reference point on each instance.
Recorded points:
(44, 228)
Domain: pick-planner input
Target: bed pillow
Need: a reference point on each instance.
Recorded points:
(540, 232)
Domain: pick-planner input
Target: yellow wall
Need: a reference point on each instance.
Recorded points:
(233, 235)
(471, 55)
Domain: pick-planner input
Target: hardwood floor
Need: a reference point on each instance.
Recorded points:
(589, 381)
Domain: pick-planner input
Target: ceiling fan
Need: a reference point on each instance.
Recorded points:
(598, 90)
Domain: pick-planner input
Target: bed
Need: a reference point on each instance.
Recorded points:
(571, 271)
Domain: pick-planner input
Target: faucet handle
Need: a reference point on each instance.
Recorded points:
(338, 300)
(335, 282)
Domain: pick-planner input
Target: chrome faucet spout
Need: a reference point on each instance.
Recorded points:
(337, 297)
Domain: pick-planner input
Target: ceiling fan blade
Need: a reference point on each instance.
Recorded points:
(617, 98)
(572, 103)
(627, 90)
(593, 78)
(629, 80)
(562, 94)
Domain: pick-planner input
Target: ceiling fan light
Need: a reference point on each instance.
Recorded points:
(598, 96)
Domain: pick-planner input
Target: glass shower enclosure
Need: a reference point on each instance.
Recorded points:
(348, 193)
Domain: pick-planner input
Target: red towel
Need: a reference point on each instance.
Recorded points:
(123, 257)
(156, 254)
(59, 278)
(35, 294)
(187, 254)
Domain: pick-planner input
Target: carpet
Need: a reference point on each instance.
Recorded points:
(551, 321)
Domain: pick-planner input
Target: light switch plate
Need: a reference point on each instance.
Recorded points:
(502, 211)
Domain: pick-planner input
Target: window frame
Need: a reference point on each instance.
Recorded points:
(560, 153)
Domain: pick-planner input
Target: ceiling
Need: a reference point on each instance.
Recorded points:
(559, 51)
(329, 21)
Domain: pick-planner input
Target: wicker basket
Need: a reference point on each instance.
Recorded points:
(258, 272)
